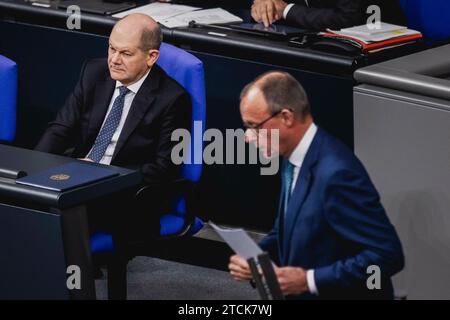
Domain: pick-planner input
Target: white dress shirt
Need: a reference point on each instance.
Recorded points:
(296, 159)
(134, 88)
(289, 6)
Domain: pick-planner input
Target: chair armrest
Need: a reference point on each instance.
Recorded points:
(173, 188)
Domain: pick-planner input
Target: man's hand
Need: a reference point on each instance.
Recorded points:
(268, 11)
(292, 280)
(239, 268)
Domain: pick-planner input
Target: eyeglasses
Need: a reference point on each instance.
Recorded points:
(258, 126)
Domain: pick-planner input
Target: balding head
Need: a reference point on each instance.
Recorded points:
(275, 101)
(281, 91)
(143, 27)
(133, 48)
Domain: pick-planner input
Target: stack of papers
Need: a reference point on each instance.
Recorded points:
(369, 41)
(173, 16)
(158, 11)
(207, 16)
(366, 30)
(385, 32)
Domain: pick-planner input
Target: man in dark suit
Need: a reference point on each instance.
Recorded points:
(331, 228)
(310, 14)
(323, 14)
(122, 112)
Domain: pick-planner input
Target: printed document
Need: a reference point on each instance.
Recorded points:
(158, 11)
(239, 241)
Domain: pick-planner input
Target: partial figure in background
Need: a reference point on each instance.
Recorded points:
(325, 14)
(310, 14)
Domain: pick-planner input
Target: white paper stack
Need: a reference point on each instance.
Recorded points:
(158, 11)
(207, 16)
(371, 29)
(385, 31)
(173, 15)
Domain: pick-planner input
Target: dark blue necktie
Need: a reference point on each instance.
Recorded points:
(288, 177)
(109, 127)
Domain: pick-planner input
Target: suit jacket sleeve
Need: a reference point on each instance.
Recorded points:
(270, 243)
(353, 210)
(177, 115)
(61, 133)
(346, 13)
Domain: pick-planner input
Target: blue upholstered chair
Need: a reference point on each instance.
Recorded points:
(428, 16)
(8, 94)
(180, 222)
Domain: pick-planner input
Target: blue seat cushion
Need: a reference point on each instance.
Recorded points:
(429, 17)
(102, 242)
(172, 224)
(8, 94)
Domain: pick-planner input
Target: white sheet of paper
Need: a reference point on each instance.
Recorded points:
(365, 31)
(158, 11)
(207, 16)
(239, 241)
(379, 36)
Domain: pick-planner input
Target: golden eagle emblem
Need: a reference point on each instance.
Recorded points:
(60, 177)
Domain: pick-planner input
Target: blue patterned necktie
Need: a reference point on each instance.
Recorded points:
(109, 127)
(288, 177)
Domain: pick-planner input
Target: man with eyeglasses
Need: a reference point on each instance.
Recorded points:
(331, 226)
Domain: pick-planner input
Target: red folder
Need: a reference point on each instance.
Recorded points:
(368, 47)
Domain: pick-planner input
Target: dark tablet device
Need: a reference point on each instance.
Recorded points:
(274, 30)
(97, 6)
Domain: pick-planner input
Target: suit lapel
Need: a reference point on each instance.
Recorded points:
(102, 98)
(141, 103)
(301, 189)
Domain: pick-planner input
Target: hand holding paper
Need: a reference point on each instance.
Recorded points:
(239, 268)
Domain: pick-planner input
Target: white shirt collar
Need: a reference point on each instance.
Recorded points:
(135, 86)
(299, 153)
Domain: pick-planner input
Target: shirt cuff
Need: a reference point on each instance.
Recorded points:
(311, 282)
(286, 10)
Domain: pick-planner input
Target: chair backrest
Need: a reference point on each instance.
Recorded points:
(188, 71)
(429, 17)
(8, 95)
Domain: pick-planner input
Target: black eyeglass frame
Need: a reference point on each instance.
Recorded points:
(259, 125)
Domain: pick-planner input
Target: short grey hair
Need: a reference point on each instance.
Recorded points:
(281, 90)
(151, 38)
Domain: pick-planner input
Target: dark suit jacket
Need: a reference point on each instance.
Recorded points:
(336, 225)
(323, 14)
(160, 106)
(337, 14)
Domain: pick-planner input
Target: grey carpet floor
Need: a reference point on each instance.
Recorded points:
(155, 279)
